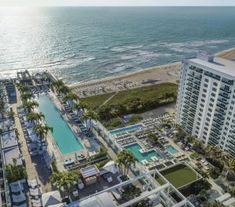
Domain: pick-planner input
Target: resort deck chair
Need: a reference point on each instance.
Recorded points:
(33, 183)
(34, 192)
(21, 205)
(36, 203)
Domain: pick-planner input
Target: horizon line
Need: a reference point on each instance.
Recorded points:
(111, 6)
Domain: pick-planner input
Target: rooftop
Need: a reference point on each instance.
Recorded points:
(10, 154)
(215, 64)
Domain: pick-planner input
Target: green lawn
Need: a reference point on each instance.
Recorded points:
(179, 175)
(93, 102)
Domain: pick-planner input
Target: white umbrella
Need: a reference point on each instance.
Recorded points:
(111, 167)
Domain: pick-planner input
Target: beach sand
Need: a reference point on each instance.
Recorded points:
(149, 76)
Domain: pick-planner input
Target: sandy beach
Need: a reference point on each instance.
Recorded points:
(149, 76)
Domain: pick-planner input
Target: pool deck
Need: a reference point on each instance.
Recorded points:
(75, 130)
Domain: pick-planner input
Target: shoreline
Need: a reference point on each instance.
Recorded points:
(125, 76)
(145, 77)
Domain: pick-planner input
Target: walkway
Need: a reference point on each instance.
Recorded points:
(36, 168)
(106, 101)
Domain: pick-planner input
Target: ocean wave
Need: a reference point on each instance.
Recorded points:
(125, 48)
(192, 46)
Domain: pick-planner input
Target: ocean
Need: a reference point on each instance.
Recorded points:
(80, 44)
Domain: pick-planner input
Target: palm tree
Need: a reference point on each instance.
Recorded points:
(78, 107)
(35, 117)
(2, 106)
(30, 105)
(61, 87)
(125, 159)
(64, 180)
(22, 88)
(230, 168)
(87, 117)
(214, 152)
(58, 84)
(64, 90)
(70, 97)
(11, 114)
(42, 131)
(15, 172)
(26, 96)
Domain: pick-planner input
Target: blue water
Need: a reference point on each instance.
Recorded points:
(171, 149)
(84, 43)
(126, 129)
(135, 149)
(63, 135)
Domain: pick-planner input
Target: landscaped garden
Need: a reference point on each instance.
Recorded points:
(179, 175)
(131, 101)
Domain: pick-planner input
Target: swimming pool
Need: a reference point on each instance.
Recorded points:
(131, 128)
(63, 135)
(171, 149)
(135, 149)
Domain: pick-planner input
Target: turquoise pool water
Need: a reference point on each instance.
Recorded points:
(141, 156)
(126, 129)
(171, 149)
(63, 135)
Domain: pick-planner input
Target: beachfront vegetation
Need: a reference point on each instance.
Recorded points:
(111, 107)
(132, 101)
(15, 172)
(125, 159)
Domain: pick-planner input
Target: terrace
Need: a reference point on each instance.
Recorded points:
(143, 189)
(149, 142)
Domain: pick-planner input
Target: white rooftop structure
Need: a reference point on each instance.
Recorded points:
(216, 64)
(223, 197)
(101, 200)
(51, 198)
(230, 202)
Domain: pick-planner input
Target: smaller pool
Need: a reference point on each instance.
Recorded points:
(135, 149)
(131, 128)
(171, 149)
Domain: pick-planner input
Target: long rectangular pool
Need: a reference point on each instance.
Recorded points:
(62, 133)
(135, 149)
(131, 128)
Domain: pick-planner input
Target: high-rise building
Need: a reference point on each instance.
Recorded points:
(206, 100)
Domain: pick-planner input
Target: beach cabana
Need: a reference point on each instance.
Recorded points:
(90, 174)
(51, 199)
(111, 167)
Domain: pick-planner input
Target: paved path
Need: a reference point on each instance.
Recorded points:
(109, 99)
(31, 171)
(35, 167)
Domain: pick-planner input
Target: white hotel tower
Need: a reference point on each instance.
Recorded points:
(206, 100)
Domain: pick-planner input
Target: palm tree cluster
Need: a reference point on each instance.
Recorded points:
(73, 102)
(15, 172)
(65, 181)
(35, 117)
(130, 192)
(125, 159)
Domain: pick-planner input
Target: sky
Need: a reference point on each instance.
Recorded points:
(117, 2)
